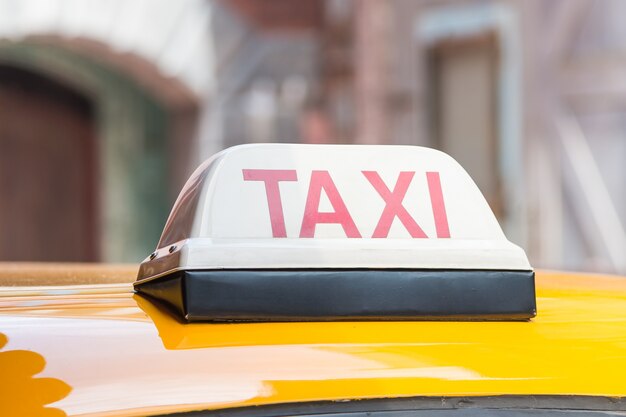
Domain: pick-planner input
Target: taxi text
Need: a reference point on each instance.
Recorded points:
(322, 180)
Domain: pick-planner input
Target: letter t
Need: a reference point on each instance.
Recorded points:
(271, 177)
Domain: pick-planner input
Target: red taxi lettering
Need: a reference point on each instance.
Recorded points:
(394, 208)
(438, 205)
(321, 180)
(271, 178)
(312, 216)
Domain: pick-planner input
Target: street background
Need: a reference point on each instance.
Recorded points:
(106, 107)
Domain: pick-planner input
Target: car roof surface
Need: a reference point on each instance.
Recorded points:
(102, 350)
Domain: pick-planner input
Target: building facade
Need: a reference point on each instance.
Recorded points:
(528, 96)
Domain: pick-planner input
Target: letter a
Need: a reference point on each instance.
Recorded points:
(322, 180)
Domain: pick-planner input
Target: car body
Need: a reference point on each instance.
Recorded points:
(103, 350)
(248, 308)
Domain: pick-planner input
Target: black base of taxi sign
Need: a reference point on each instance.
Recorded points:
(345, 295)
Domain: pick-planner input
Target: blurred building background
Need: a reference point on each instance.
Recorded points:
(107, 106)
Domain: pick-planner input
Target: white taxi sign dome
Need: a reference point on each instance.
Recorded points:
(281, 205)
(286, 206)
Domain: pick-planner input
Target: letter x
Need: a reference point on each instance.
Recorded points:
(394, 208)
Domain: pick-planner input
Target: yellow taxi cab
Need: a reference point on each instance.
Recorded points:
(297, 280)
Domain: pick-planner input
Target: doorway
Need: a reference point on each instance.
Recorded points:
(463, 74)
(48, 170)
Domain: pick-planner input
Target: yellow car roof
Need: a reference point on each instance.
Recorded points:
(102, 350)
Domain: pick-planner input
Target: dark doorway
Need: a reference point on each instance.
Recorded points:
(47, 170)
(464, 104)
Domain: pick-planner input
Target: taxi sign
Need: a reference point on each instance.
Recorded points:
(335, 232)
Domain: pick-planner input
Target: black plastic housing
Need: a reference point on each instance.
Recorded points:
(345, 295)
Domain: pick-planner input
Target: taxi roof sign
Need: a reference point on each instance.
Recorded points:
(281, 209)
